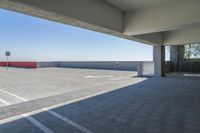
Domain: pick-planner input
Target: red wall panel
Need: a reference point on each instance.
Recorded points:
(20, 64)
(2, 63)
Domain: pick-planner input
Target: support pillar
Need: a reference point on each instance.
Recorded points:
(181, 57)
(177, 57)
(174, 58)
(159, 61)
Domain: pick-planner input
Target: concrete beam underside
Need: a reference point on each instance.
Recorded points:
(97, 15)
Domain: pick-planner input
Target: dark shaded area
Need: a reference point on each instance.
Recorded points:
(179, 63)
(191, 66)
(156, 105)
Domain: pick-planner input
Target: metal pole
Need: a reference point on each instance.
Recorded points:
(7, 64)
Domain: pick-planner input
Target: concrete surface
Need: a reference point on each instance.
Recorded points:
(159, 61)
(141, 105)
(39, 83)
(112, 65)
(144, 68)
(48, 64)
(109, 65)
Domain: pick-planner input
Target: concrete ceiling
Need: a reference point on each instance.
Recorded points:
(127, 5)
(155, 22)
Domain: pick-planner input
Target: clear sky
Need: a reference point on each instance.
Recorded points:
(34, 39)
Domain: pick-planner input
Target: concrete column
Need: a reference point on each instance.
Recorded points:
(174, 58)
(139, 69)
(177, 57)
(159, 60)
(181, 58)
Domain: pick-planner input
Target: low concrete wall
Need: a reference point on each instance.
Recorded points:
(110, 65)
(48, 64)
(144, 68)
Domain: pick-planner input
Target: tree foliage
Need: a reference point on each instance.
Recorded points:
(192, 51)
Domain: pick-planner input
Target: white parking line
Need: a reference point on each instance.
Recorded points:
(23, 99)
(68, 121)
(99, 76)
(4, 102)
(34, 121)
(38, 124)
(119, 78)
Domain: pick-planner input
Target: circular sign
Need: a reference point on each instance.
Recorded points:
(7, 53)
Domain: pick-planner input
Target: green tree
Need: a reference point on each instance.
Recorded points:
(192, 51)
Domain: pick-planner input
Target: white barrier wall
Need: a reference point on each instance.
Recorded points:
(144, 68)
(147, 68)
(114, 65)
(48, 64)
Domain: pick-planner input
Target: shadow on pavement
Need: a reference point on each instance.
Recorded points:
(156, 105)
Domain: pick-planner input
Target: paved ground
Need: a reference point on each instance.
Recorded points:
(38, 83)
(140, 105)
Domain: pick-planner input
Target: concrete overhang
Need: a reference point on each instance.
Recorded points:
(154, 22)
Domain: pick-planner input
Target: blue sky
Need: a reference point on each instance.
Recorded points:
(34, 39)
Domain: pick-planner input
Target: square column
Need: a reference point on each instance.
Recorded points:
(177, 57)
(174, 58)
(159, 61)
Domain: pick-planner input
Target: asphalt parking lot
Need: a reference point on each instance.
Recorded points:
(33, 84)
(18, 86)
(58, 100)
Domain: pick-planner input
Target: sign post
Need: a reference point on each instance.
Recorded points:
(7, 53)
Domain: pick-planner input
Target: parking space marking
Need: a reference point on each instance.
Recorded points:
(70, 122)
(13, 95)
(119, 78)
(99, 76)
(34, 121)
(4, 102)
(38, 124)
(66, 120)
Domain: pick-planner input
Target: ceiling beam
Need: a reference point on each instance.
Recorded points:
(94, 15)
(154, 38)
(181, 37)
(173, 15)
(83, 13)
